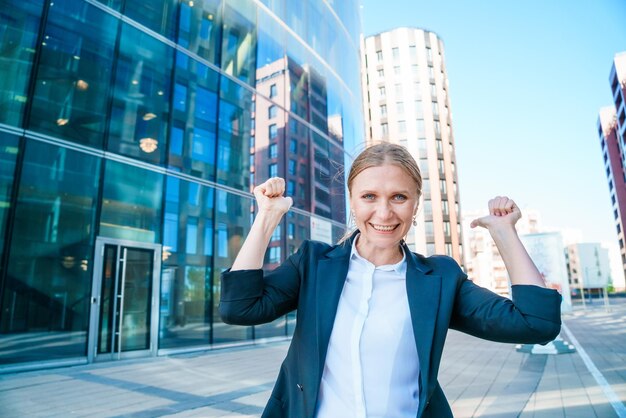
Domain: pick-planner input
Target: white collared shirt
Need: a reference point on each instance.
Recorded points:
(372, 368)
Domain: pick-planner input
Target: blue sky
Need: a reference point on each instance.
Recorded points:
(526, 82)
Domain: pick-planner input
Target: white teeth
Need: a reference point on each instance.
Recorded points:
(383, 228)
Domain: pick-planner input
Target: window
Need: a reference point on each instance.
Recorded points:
(273, 170)
(402, 126)
(435, 110)
(420, 127)
(272, 111)
(445, 208)
(384, 128)
(395, 53)
(428, 226)
(437, 128)
(292, 167)
(379, 56)
(273, 91)
(415, 70)
(442, 186)
(381, 91)
(274, 255)
(419, 110)
(273, 131)
(293, 146)
(400, 108)
(396, 70)
(446, 228)
(273, 149)
(383, 110)
(381, 73)
(276, 234)
(398, 88)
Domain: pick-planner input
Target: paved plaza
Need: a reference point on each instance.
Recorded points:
(480, 379)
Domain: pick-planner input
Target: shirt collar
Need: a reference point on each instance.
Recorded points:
(399, 267)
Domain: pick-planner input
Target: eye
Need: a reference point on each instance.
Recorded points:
(368, 196)
(400, 197)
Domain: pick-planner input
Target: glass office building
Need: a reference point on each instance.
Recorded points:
(131, 136)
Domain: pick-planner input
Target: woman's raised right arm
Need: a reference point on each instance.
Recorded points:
(272, 205)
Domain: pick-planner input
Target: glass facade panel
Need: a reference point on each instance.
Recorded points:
(235, 135)
(131, 203)
(8, 154)
(270, 48)
(238, 99)
(45, 306)
(158, 15)
(233, 218)
(186, 287)
(193, 137)
(139, 118)
(276, 6)
(19, 25)
(200, 28)
(269, 133)
(239, 40)
(74, 73)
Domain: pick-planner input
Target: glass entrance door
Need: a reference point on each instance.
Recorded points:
(124, 300)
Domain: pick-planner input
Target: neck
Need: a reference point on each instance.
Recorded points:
(379, 256)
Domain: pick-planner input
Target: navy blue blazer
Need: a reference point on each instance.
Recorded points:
(440, 297)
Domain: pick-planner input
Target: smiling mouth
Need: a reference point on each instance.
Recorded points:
(384, 228)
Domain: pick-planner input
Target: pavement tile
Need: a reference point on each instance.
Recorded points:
(480, 379)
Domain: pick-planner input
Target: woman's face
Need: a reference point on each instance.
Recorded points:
(384, 200)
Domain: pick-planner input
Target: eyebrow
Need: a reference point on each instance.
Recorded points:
(378, 192)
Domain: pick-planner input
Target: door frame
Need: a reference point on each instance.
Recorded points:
(94, 317)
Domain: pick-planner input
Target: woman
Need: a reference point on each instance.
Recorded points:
(372, 315)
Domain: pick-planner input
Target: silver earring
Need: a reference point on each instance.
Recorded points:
(414, 221)
(352, 217)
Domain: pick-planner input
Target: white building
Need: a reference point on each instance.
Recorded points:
(405, 89)
(588, 266)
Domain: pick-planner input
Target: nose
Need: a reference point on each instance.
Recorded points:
(384, 210)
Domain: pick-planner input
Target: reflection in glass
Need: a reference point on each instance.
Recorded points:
(19, 25)
(74, 73)
(137, 298)
(107, 317)
(188, 241)
(158, 15)
(235, 135)
(233, 217)
(140, 113)
(270, 47)
(200, 28)
(45, 307)
(239, 40)
(193, 135)
(8, 154)
(131, 203)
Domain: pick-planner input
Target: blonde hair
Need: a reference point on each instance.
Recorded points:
(381, 154)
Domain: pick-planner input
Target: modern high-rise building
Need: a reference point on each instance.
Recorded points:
(406, 101)
(131, 136)
(612, 132)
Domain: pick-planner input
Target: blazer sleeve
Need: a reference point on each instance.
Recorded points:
(533, 316)
(252, 297)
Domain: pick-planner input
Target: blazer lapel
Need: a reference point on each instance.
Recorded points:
(331, 276)
(423, 291)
